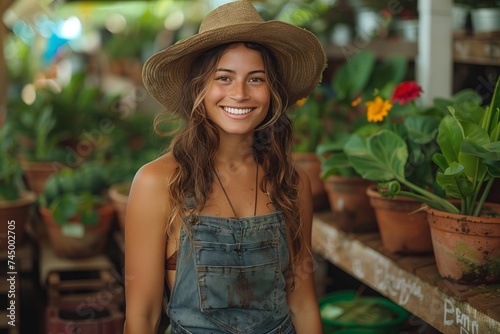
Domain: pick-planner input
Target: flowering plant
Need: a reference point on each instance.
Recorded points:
(356, 80)
(416, 127)
(468, 159)
(309, 116)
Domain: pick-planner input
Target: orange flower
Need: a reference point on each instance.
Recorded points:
(356, 101)
(301, 102)
(378, 109)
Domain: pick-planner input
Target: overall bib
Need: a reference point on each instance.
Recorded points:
(230, 276)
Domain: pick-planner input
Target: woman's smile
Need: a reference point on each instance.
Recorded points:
(237, 111)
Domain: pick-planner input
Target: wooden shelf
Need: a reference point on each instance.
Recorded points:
(381, 48)
(411, 281)
(478, 50)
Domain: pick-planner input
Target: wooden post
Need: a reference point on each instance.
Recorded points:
(435, 61)
(4, 81)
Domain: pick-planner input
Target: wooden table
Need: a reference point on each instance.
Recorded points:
(413, 282)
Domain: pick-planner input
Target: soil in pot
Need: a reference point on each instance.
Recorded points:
(467, 248)
(311, 165)
(402, 223)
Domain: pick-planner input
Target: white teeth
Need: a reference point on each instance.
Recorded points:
(237, 111)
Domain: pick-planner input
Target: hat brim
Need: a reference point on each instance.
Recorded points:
(300, 56)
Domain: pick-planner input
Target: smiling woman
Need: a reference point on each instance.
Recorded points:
(229, 217)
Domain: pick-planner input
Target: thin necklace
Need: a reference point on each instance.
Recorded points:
(256, 190)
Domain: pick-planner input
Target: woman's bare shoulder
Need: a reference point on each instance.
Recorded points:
(157, 170)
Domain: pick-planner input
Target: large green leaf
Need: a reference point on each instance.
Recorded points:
(422, 129)
(489, 154)
(473, 133)
(440, 161)
(387, 74)
(335, 163)
(352, 77)
(381, 157)
(64, 208)
(454, 181)
(468, 97)
(493, 112)
(450, 137)
(489, 151)
(493, 168)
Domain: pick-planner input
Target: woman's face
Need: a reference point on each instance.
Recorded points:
(238, 97)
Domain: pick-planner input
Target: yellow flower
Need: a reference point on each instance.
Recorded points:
(356, 101)
(301, 102)
(377, 109)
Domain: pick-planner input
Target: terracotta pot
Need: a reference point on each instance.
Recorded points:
(14, 216)
(118, 194)
(467, 248)
(402, 223)
(311, 165)
(37, 173)
(75, 240)
(350, 204)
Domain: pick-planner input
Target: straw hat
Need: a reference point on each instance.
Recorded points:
(300, 56)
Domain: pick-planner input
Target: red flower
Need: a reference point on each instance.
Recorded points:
(406, 91)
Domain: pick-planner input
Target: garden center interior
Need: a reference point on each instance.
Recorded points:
(73, 107)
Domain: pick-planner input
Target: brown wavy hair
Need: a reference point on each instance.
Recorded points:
(194, 174)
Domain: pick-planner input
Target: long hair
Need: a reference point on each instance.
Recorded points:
(194, 174)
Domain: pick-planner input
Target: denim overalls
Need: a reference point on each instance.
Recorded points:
(232, 280)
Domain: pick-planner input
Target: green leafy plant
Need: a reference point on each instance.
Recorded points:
(361, 77)
(59, 117)
(76, 192)
(10, 171)
(469, 158)
(309, 117)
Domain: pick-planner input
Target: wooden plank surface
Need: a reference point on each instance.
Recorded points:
(412, 282)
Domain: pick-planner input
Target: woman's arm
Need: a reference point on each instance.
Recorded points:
(145, 244)
(302, 300)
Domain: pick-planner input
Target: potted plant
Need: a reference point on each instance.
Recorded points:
(460, 13)
(469, 162)
(15, 201)
(33, 127)
(360, 76)
(61, 127)
(485, 16)
(402, 223)
(311, 119)
(76, 211)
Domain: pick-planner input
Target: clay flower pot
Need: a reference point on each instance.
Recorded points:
(311, 165)
(13, 217)
(350, 204)
(37, 173)
(467, 248)
(118, 194)
(402, 223)
(74, 239)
